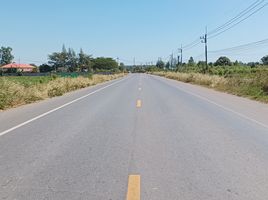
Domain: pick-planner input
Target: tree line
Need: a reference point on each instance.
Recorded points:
(69, 61)
(221, 61)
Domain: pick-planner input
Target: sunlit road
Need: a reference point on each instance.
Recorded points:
(184, 142)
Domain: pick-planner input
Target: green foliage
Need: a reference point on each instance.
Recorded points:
(69, 61)
(138, 69)
(6, 56)
(58, 60)
(102, 63)
(265, 60)
(242, 81)
(167, 65)
(72, 61)
(64, 60)
(45, 68)
(122, 67)
(223, 61)
(160, 64)
(24, 89)
(191, 62)
(28, 81)
(84, 61)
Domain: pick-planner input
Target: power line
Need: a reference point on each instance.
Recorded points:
(243, 47)
(237, 17)
(213, 36)
(192, 46)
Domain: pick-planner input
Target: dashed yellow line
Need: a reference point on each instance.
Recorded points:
(139, 103)
(133, 192)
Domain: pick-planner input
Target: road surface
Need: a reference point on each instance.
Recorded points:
(183, 142)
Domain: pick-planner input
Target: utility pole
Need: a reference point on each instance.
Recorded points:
(181, 55)
(118, 61)
(134, 61)
(204, 39)
(171, 61)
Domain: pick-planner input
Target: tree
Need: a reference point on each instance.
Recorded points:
(167, 65)
(122, 66)
(59, 59)
(191, 61)
(201, 64)
(236, 63)
(223, 61)
(84, 61)
(264, 60)
(72, 60)
(6, 56)
(251, 64)
(160, 64)
(105, 64)
(45, 68)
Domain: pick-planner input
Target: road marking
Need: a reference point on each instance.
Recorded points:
(138, 104)
(139, 88)
(58, 108)
(223, 107)
(133, 192)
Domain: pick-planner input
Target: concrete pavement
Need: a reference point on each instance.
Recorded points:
(186, 142)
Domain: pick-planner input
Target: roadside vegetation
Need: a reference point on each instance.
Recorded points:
(65, 71)
(248, 80)
(17, 91)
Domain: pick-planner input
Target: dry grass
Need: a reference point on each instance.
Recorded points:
(200, 79)
(253, 86)
(13, 93)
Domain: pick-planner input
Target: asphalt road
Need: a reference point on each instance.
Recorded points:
(185, 142)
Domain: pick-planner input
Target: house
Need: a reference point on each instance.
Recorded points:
(19, 67)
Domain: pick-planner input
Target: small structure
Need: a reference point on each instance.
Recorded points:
(19, 67)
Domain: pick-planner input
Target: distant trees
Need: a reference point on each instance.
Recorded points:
(191, 62)
(122, 67)
(84, 61)
(105, 64)
(223, 61)
(58, 59)
(201, 64)
(167, 66)
(264, 60)
(6, 56)
(72, 62)
(45, 68)
(160, 64)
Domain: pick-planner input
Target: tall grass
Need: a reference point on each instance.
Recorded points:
(251, 85)
(15, 91)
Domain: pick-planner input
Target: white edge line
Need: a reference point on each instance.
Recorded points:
(221, 106)
(58, 108)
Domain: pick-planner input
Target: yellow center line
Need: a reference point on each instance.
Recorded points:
(139, 104)
(133, 192)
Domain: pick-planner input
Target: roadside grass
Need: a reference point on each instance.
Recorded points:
(250, 85)
(15, 91)
(28, 81)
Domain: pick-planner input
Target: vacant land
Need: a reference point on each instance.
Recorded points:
(15, 91)
(251, 83)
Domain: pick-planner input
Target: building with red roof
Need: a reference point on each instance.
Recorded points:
(20, 67)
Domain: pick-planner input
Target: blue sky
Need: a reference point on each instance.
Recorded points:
(144, 29)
